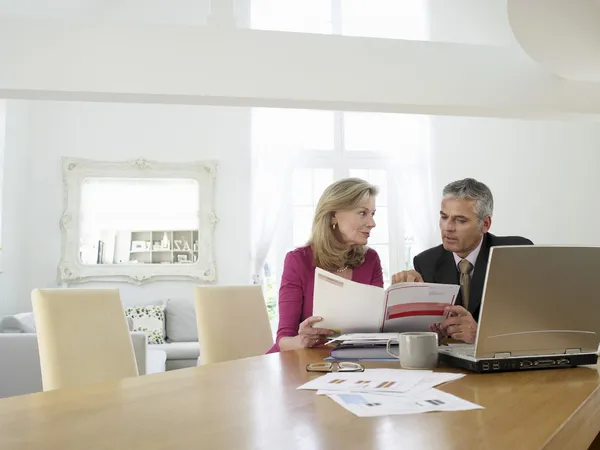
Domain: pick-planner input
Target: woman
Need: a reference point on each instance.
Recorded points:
(341, 227)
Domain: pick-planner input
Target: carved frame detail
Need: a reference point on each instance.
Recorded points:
(70, 268)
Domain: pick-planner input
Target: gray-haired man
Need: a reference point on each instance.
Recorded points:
(465, 220)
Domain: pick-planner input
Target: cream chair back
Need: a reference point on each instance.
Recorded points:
(232, 323)
(83, 337)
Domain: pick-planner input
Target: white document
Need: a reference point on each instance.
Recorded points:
(350, 307)
(364, 338)
(427, 382)
(371, 380)
(372, 405)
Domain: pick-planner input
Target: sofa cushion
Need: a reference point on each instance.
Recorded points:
(155, 361)
(19, 323)
(150, 319)
(179, 350)
(181, 320)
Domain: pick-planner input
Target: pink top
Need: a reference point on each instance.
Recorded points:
(297, 286)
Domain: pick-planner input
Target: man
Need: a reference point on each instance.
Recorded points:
(465, 219)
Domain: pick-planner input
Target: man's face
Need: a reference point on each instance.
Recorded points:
(460, 229)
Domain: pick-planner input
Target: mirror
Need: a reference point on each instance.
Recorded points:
(137, 221)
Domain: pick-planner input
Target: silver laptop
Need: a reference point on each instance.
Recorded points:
(540, 309)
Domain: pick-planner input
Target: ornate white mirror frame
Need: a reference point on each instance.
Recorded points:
(75, 171)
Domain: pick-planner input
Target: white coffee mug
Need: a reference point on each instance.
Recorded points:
(417, 350)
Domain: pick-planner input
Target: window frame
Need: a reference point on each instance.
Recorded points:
(342, 161)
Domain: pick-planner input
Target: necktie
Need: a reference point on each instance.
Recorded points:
(465, 268)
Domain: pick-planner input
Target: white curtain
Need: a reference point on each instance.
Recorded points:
(279, 139)
(411, 168)
(271, 178)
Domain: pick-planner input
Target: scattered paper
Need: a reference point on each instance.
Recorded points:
(429, 381)
(373, 405)
(371, 380)
(379, 392)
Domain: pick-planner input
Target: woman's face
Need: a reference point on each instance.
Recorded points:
(353, 226)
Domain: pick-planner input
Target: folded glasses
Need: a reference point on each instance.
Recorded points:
(342, 366)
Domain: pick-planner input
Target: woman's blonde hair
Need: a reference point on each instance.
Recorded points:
(329, 253)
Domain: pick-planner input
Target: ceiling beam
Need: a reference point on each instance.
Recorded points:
(191, 65)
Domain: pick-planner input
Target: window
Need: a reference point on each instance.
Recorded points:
(307, 187)
(393, 19)
(343, 144)
(304, 16)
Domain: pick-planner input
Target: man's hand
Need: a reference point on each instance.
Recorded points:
(460, 325)
(407, 276)
(436, 328)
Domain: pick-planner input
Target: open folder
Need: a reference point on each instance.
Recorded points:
(350, 307)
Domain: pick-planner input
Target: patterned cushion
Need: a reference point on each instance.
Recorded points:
(149, 319)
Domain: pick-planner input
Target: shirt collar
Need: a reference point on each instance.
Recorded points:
(471, 257)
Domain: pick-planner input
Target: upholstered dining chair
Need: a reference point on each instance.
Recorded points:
(232, 323)
(83, 337)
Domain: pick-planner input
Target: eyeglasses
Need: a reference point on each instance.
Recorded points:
(342, 366)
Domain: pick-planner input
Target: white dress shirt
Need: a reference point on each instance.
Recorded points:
(471, 257)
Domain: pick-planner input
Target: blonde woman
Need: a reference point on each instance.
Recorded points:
(341, 228)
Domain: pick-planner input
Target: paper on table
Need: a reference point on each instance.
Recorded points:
(427, 382)
(371, 405)
(371, 380)
(435, 379)
(363, 337)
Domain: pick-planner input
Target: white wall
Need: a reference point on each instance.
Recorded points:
(105, 131)
(544, 175)
(15, 207)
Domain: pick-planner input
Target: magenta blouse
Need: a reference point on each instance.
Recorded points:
(297, 286)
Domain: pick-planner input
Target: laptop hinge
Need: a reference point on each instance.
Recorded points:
(502, 355)
(571, 351)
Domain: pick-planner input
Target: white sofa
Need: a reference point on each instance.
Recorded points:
(20, 370)
(182, 347)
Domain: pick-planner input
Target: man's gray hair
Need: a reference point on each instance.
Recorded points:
(471, 189)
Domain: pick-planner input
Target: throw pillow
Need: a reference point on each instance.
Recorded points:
(149, 319)
(181, 320)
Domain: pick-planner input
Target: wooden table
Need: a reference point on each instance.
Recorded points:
(253, 403)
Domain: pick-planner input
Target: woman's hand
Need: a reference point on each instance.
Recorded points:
(308, 336)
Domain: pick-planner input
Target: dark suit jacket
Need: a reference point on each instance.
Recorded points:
(437, 265)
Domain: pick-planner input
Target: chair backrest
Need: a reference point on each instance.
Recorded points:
(83, 337)
(232, 323)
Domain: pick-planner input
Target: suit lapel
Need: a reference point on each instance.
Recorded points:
(446, 271)
(479, 275)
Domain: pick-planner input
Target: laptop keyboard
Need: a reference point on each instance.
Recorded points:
(466, 350)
